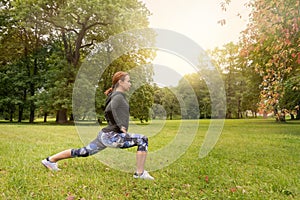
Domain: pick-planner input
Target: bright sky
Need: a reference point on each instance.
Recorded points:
(197, 20)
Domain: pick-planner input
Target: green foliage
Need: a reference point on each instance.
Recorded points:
(291, 99)
(271, 45)
(48, 40)
(141, 101)
(10, 93)
(166, 103)
(254, 159)
(194, 93)
(241, 81)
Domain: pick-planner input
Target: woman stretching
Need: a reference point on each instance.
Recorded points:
(115, 133)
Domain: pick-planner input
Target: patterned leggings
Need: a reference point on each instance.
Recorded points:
(114, 140)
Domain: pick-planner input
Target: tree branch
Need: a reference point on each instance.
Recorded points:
(95, 24)
(61, 27)
(89, 44)
(77, 18)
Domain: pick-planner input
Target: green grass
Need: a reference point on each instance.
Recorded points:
(253, 159)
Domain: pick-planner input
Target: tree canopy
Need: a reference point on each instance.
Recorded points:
(44, 44)
(271, 44)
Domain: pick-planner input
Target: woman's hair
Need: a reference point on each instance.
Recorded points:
(120, 75)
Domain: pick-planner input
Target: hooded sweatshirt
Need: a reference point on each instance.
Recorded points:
(116, 112)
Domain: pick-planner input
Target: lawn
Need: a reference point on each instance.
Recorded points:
(253, 159)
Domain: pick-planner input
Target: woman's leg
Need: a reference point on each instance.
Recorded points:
(92, 148)
(140, 161)
(61, 155)
(127, 140)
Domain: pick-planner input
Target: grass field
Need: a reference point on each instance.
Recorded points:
(253, 159)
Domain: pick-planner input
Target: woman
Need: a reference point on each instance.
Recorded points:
(115, 133)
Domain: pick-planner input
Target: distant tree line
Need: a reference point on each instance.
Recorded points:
(269, 47)
(44, 43)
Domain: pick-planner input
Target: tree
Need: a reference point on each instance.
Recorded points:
(170, 102)
(199, 91)
(11, 91)
(77, 26)
(240, 79)
(157, 109)
(80, 24)
(23, 39)
(141, 101)
(226, 60)
(189, 94)
(72, 28)
(166, 102)
(270, 43)
(291, 99)
(251, 88)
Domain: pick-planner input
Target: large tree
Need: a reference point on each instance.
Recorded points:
(141, 101)
(240, 80)
(53, 38)
(192, 87)
(165, 102)
(291, 98)
(22, 50)
(271, 44)
(227, 61)
(81, 24)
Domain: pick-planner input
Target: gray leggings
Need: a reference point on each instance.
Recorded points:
(114, 140)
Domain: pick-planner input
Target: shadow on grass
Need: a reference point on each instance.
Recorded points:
(51, 123)
(69, 123)
(229, 122)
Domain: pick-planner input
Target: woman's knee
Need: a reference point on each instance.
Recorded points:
(81, 152)
(143, 144)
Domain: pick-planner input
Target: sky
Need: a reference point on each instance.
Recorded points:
(197, 20)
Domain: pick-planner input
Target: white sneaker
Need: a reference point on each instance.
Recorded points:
(145, 175)
(50, 165)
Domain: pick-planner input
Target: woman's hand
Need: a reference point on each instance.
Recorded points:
(123, 129)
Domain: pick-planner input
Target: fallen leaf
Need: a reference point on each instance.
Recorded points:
(70, 198)
(206, 179)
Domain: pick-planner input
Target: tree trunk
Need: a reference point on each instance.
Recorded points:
(298, 112)
(32, 89)
(45, 117)
(61, 116)
(21, 106)
(20, 114)
(31, 116)
(71, 117)
(276, 114)
(292, 116)
(265, 115)
(282, 116)
(11, 115)
(298, 115)
(228, 115)
(279, 116)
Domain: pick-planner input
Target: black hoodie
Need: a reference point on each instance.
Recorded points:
(116, 112)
